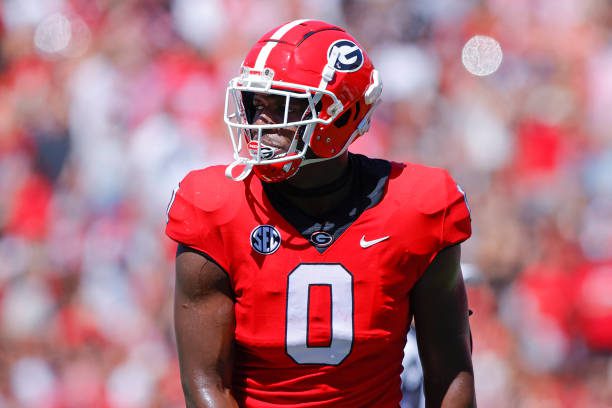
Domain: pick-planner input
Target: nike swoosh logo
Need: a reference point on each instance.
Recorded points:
(366, 244)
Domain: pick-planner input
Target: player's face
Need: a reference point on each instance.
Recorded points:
(270, 109)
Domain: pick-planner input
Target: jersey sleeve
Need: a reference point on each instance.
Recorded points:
(443, 216)
(191, 218)
(456, 220)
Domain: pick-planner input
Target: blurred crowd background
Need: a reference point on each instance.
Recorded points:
(106, 104)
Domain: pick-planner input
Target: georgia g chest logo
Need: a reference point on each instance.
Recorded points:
(265, 239)
(350, 57)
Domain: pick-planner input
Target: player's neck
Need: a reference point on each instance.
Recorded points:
(319, 188)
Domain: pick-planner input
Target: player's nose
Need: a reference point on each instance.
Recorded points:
(266, 117)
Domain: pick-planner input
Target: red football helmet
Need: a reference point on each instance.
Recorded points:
(315, 62)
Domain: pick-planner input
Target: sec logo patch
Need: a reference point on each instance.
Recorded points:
(265, 239)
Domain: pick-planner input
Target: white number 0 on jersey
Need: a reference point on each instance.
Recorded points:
(341, 282)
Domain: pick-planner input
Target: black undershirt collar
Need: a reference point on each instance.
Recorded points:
(368, 178)
(344, 178)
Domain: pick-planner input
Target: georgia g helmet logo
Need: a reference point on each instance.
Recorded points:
(350, 56)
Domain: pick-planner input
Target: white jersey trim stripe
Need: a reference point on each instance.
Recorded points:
(260, 63)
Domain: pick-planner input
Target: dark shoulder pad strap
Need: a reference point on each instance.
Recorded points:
(185, 248)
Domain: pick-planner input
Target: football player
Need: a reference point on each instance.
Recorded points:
(300, 265)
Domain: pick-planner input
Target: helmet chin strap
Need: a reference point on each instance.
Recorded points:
(248, 167)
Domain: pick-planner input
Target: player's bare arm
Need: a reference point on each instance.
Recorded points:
(439, 304)
(204, 325)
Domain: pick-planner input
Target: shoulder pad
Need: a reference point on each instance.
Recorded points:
(437, 196)
(204, 200)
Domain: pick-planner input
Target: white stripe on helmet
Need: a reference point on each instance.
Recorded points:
(264, 53)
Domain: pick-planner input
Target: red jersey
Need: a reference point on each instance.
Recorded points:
(321, 320)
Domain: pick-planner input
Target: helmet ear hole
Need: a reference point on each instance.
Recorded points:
(357, 109)
(343, 119)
